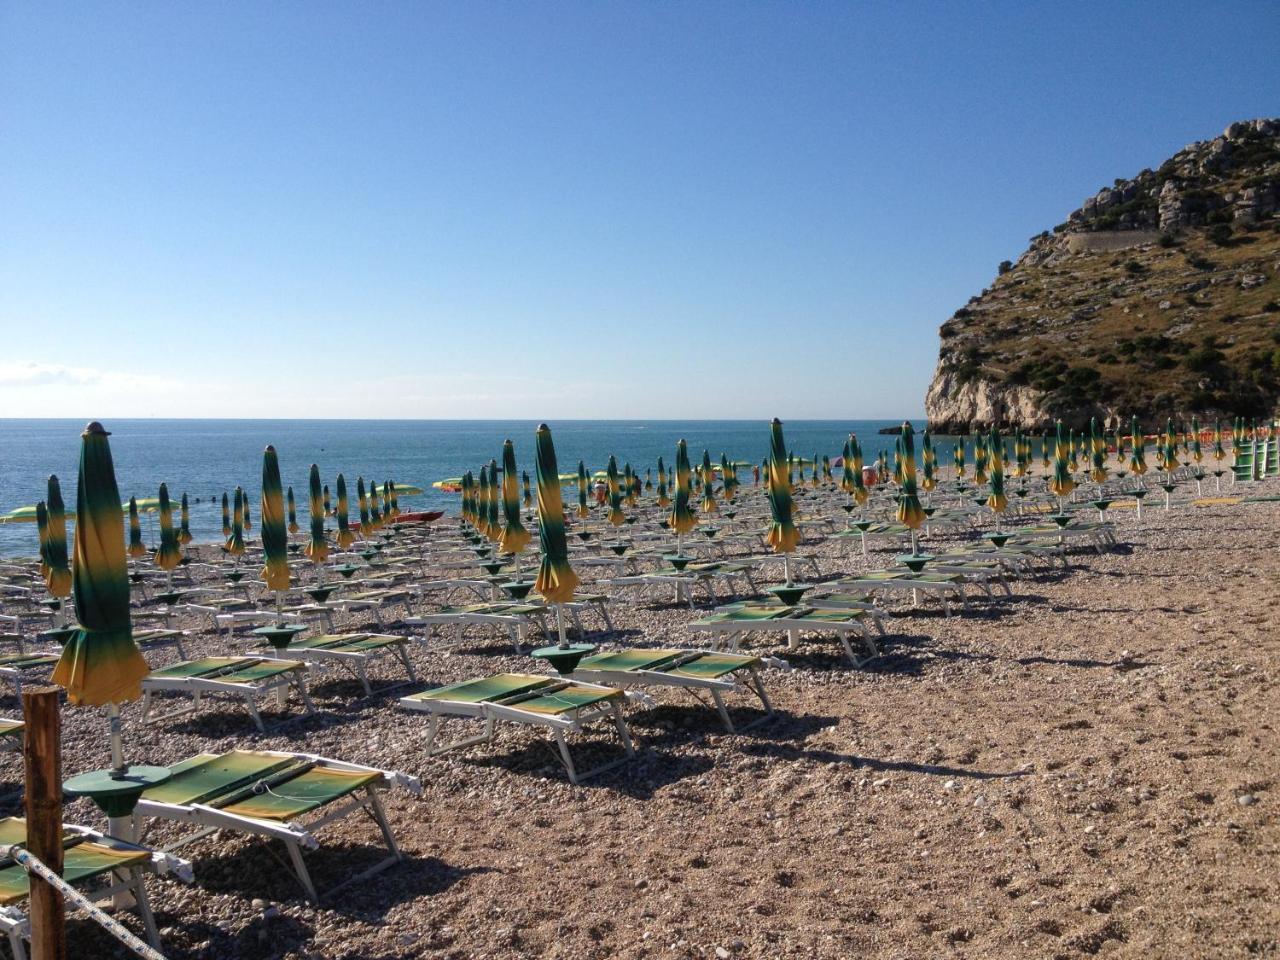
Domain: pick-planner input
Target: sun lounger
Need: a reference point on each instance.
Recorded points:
(731, 625)
(561, 706)
(515, 618)
(267, 793)
(354, 652)
(694, 670)
(245, 678)
(103, 866)
(150, 639)
(944, 585)
(19, 668)
(11, 734)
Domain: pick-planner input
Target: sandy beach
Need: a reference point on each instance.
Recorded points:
(1087, 768)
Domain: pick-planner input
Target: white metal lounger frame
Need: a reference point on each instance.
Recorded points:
(516, 625)
(295, 836)
(734, 631)
(250, 693)
(509, 709)
(357, 661)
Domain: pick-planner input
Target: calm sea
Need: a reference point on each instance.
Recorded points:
(203, 458)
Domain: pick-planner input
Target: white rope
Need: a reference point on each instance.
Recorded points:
(33, 864)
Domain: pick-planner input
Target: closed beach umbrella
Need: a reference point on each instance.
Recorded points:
(663, 500)
(1073, 451)
(317, 548)
(1197, 455)
(1219, 453)
(362, 499)
(528, 493)
(328, 507)
(682, 518)
(468, 515)
(1062, 483)
(846, 469)
(514, 536)
(1137, 459)
(100, 664)
(584, 482)
(226, 516)
(492, 510)
(235, 540)
(42, 530)
(629, 484)
(708, 486)
(1097, 452)
(393, 498)
(928, 463)
(345, 536)
(648, 479)
(375, 511)
(275, 539)
(184, 530)
(293, 511)
(980, 459)
(814, 478)
(909, 513)
(556, 580)
(957, 458)
(170, 553)
(615, 516)
(997, 500)
(860, 493)
(245, 522)
(482, 501)
(1045, 446)
(136, 547)
(57, 576)
(1170, 449)
(783, 535)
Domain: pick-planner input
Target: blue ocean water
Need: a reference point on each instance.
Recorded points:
(203, 458)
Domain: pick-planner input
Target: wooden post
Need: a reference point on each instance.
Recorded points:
(42, 756)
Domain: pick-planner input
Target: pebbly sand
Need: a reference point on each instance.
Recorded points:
(1088, 768)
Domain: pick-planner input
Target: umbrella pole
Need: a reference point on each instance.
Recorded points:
(279, 614)
(118, 768)
(564, 643)
(786, 567)
(915, 547)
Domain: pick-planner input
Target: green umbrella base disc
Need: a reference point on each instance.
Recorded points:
(710, 532)
(929, 511)
(846, 507)
(998, 539)
(60, 636)
(169, 597)
(862, 525)
(915, 562)
(584, 535)
(517, 589)
(1100, 504)
(1168, 487)
(789, 594)
(321, 594)
(1138, 494)
(235, 576)
(564, 659)
(492, 567)
(730, 514)
(347, 570)
(619, 548)
(53, 603)
(679, 561)
(116, 797)
(280, 635)
(295, 547)
(1061, 519)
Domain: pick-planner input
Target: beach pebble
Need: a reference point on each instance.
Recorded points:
(1246, 800)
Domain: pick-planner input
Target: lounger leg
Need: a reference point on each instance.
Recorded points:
(380, 817)
(182, 654)
(253, 712)
(722, 710)
(300, 869)
(403, 654)
(364, 678)
(144, 907)
(565, 757)
(16, 945)
(758, 683)
(301, 684)
(608, 624)
(621, 724)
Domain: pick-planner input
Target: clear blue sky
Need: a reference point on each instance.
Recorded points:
(557, 209)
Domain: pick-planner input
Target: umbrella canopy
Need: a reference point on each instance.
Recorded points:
(375, 511)
(648, 478)
(928, 462)
(783, 535)
(293, 510)
(664, 501)
(846, 469)
(1170, 448)
(491, 504)
(235, 540)
(957, 458)
(628, 484)
(170, 553)
(1137, 459)
(1097, 452)
(708, 485)
(481, 505)
(997, 500)
(514, 536)
(275, 539)
(528, 493)
(980, 459)
(556, 580)
(1073, 451)
(584, 482)
(1062, 483)
(245, 522)
(860, 493)
(1197, 454)
(226, 516)
(317, 547)
(42, 529)
(362, 499)
(136, 547)
(328, 507)
(909, 513)
(1219, 454)
(57, 575)
(345, 536)
(393, 498)
(615, 516)
(184, 531)
(100, 663)
(682, 518)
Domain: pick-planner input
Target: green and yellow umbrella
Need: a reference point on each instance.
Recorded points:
(1197, 455)
(481, 502)
(514, 536)
(860, 492)
(957, 458)
(275, 539)
(1170, 450)
(293, 512)
(226, 516)
(556, 580)
(1097, 452)
(170, 553)
(997, 500)
(614, 516)
(928, 463)
(783, 535)
(492, 511)
(1073, 451)
(980, 459)
(682, 518)
(136, 547)
(826, 469)
(628, 484)
(846, 469)
(244, 513)
(815, 479)
(1137, 459)
(1219, 453)
(366, 528)
(317, 548)
(528, 493)
(57, 576)
(345, 536)
(393, 498)
(648, 479)
(375, 511)
(100, 664)
(328, 507)
(584, 510)
(42, 530)
(465, 511)
(909, 513)
(184, 529)
(664, 501)
(1063, 482)
(708, 486)
(235, 540)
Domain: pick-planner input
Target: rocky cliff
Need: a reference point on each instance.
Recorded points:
(1159, 297)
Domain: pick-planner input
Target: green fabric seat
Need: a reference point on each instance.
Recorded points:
(633, 659)
(11, 728)
(567, 699)
(498, 687)
(228, 669)
(207, 776)
(712, 666)
(26, 661)
(347, 643)
(82, 859)
(301, 794)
